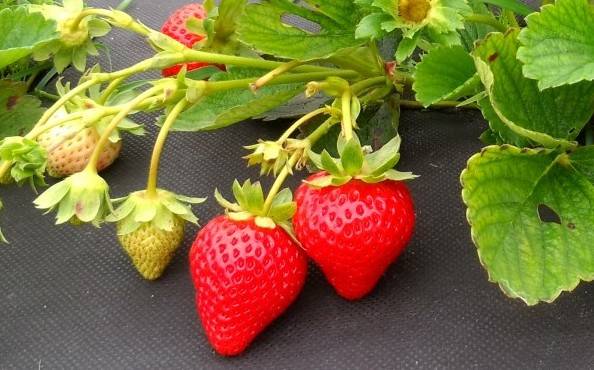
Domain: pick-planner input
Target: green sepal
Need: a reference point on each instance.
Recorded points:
(249, 204)
(80, 198)
(160, 210)
(28, 159)
(352, 157)
(355, 163)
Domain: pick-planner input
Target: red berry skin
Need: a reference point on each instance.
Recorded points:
(354, 231)
(175, 27)
(245, 277)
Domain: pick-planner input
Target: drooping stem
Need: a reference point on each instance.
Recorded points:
(191, 55)
(275, 73)
(57, 105)
(113, 85)
(413, 104)
(301, 121)
(115, 121)
(213, 86)
(111, 15)
(151, 188)
(347, 119)
(360, 86)
(278, 182)
(486, 19)
(293, 160)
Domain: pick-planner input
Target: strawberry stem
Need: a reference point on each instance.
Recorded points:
(363, 85)
(275, 73)
(69, 95)
(413, 104)
(486, 19)
(301, 121)
(278, 182)
(151, 188)
(112, 15)
(347, 120)
(293, 160)
(113, 85)
(116, 120)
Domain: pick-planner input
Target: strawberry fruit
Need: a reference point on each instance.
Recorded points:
(247, 270)
(356, 219)
(175, 27)
(150, 228)
(354, 231)
(69, 147)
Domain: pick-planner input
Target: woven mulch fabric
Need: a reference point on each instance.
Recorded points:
(69, 297)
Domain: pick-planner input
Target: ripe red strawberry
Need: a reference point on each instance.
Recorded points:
(354, 231)
(245, 277)
(175, 27)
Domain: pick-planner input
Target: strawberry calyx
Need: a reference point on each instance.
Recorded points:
(76, 34)
(27, 158)
(357, 162)
(80, 198)
(162, 210)
(250, 204)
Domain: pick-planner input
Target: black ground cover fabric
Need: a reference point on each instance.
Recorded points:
(69, 298)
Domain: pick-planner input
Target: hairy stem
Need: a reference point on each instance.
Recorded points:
(275, 73)
(278, 182)
(116, 120)
(413, 104)
(347, 119)
(57, 105)
(293, 160)
(151, 188)
(301, 121)
(367, 83)
(113, 85)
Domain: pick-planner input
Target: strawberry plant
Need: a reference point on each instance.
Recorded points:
(340, 70)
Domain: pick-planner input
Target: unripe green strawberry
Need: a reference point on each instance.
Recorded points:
(69, 148)
(150, 226)
(150, 248)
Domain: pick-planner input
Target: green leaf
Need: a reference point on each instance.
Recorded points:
(406, 47)
(21, 31)
(445, 73)
(225, 108)
(559, 44)
(18, 112)
(475, 31)
(370, 26)
(513, 5)
(277, 27)
(531, 255)
(558, 113)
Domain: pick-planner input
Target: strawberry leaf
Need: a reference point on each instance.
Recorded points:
(225, 108)
(289, 30)
(532, 231)
(18, 112)
(541, 116)
(445, 73)
(558, 44)
(21, 32)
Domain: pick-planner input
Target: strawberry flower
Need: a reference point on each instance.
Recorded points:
(80, 198)
(271, 155)
(437, 21)
(76, 36)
